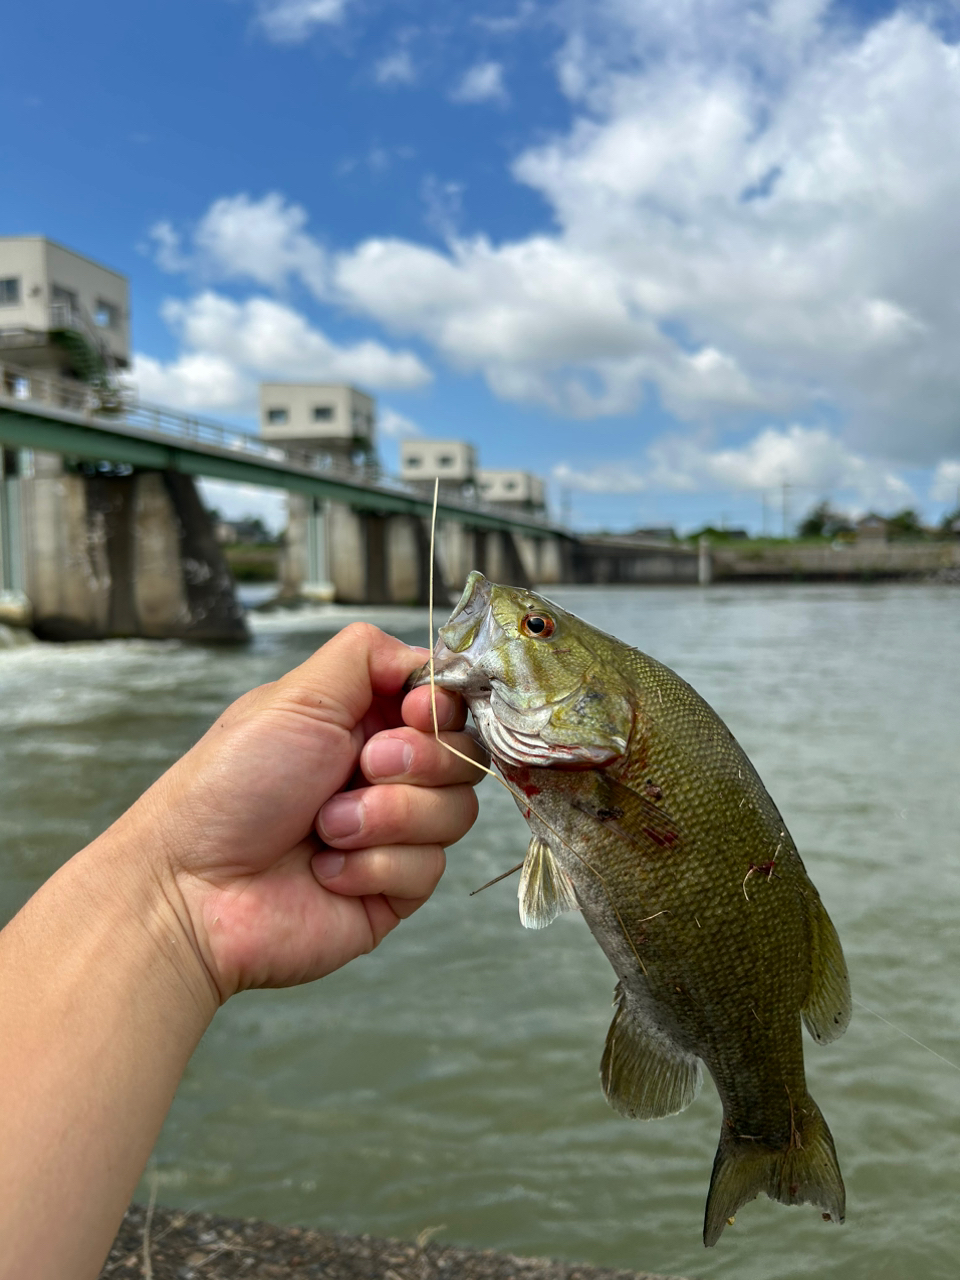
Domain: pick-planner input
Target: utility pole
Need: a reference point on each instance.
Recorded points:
(786, 507)
(765, 523)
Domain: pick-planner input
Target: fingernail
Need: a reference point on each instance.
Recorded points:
(446, 709)
(328, 864)
(339, 817)
(388, 757)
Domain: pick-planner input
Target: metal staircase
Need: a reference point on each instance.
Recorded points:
(90, 357)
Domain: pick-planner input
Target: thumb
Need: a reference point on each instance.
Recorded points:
(338, 683)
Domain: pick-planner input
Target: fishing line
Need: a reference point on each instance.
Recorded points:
(521, 800)
(906, 1034)
(433, 672)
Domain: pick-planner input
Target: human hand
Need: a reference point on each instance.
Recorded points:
(276, 873)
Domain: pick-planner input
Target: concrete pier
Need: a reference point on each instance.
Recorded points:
(15, 607)
(116, 553)
(335, 552)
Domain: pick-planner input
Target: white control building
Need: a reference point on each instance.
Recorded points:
(452, 462)
(512, 490)
(330, 419)
(61, 312)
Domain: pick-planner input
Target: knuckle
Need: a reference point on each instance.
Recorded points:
(360, 632)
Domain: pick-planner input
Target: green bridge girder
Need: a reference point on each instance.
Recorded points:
(24, 426)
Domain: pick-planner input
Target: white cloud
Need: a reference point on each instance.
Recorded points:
(753, 210)
(544, 321)
(239, 238)
(196, 380)
(810, 459)
(945, 486)
(482, 82)
(507, 24)
(167, 248)
(395, 68)
(292, 21)
(228, 347)
(395, 426)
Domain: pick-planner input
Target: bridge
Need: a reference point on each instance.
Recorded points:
(40, 411)
(102, 532)
(98, 503)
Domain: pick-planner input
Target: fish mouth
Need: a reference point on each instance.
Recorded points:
(470, 632)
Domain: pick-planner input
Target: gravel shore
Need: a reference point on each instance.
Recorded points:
(169, 1244)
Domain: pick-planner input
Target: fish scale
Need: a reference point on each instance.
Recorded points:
(648, 816)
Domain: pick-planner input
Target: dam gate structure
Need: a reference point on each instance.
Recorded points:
(102, 531)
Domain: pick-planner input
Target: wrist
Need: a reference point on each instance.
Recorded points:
(104, 1001)
(127, 883)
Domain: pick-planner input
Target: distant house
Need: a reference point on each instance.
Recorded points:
(871, 528)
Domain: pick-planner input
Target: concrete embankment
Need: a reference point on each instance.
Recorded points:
(169, 1244)
(859, 562)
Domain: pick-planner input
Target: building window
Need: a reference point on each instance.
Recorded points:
(509, 484)
(278, 416)
(10, 292)
(445, 460)
(414, 462)
(323, 413)
(107, 314)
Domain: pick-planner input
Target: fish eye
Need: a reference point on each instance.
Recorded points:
(538, 625)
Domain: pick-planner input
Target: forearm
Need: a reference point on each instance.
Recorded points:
(102, 1003)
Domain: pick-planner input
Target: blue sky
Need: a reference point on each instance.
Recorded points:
(672, 255)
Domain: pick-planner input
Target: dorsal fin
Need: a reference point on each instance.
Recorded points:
(545, 889)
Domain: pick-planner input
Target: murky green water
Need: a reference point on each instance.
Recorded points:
(451, 1078)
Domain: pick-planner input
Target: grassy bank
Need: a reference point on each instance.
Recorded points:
(253, 562)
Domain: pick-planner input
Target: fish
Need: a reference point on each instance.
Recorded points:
(647, 817)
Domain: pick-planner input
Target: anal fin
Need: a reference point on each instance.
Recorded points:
(545, 889)
(643, 1075)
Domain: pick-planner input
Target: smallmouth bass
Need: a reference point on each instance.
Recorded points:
(648, 817)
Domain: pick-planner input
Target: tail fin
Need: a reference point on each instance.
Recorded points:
(805, 1172)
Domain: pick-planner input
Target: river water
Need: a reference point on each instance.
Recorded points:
(450, 1079)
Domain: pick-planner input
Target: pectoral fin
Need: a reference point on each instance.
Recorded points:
(828, 1007)
(545, 889)
(643, 1075)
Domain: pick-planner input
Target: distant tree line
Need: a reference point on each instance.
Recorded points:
(248, 530)
(825, 522)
